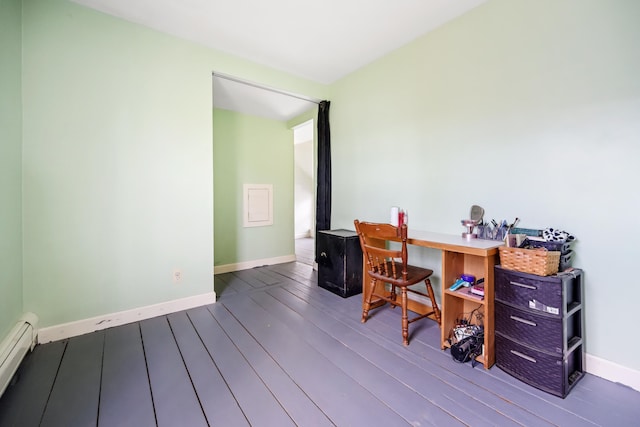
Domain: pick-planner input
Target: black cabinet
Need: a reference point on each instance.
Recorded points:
(539, 328)
(339, 262)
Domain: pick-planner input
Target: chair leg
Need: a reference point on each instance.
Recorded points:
(434, 304)
(392, 296)
(405, 316)
(367, 302)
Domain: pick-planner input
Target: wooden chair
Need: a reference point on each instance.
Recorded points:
(390, 266)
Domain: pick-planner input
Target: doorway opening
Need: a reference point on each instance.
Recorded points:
(304, 192)
(240, 108)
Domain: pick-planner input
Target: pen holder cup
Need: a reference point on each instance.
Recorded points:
(485, 232)
(491, 233)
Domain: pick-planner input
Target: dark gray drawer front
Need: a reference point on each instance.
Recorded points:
(533, 367)
(529, 291)
(553, 374)
(543, 332)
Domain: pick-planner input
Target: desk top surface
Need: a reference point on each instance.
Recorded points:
(452, 242)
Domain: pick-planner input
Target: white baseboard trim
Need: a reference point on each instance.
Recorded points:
(228, 268)
(81, 327)
(612, 371)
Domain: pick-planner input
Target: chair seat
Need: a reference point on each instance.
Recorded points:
(414, 275)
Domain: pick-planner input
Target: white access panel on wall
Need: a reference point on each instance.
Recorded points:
(258, 205)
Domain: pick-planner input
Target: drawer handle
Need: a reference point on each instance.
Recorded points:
(524, 356)
(525, 321)
(523, 285)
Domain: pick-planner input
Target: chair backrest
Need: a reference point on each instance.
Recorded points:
(374, 241)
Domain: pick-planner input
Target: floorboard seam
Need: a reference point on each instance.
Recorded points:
(214, 362)
(204, 414)
(44, 409)
(267, 352)
(104, 339)
(146, 365)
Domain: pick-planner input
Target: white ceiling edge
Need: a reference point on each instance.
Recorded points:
(319, 41)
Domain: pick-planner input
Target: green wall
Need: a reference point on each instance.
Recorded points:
(10, 164)
(529, 109)
(118, 161)
(251, 150)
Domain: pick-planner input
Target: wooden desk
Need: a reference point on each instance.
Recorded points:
(459, 256)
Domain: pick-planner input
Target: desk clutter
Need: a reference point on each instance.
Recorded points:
(537, 251)
(541, 252)
(466, 338)
(473, 287)
(398, 216)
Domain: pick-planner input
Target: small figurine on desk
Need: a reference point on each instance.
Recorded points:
(475, 215)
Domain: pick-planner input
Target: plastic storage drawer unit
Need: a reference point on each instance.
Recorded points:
(539, 328)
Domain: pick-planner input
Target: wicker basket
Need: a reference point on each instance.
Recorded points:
(535, 261)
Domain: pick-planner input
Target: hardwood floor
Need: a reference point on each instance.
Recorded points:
(305, 250)
(277, 350)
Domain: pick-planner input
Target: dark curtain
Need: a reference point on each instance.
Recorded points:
(323, 201)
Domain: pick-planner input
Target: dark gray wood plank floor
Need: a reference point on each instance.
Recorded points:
(277, 350)
(305, 250)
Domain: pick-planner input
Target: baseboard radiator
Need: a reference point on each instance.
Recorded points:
(20, 340)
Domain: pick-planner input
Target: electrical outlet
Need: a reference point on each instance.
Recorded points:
(177, 276)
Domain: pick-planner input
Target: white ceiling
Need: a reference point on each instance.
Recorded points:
(322, 41)
(255, 100)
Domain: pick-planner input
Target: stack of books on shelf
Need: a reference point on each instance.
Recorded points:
(477, 289)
